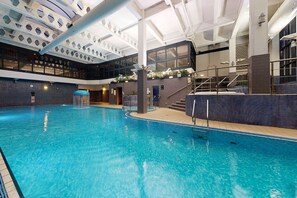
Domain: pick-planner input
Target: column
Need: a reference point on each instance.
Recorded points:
(142, 73)
(274, 55)
(259, 71)
(232, 60)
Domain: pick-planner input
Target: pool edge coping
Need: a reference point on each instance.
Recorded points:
(12, 179)
(128, 114)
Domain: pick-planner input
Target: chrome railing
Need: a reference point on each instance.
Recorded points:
(217, 79)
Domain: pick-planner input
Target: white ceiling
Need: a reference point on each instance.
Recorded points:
(204, 22)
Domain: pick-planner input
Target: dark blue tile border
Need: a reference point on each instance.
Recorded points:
(12, 176)
(3, 193)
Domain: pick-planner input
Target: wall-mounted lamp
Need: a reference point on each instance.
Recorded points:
(45, 87)
(261, 19)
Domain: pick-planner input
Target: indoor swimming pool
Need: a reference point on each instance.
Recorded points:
(61, 151)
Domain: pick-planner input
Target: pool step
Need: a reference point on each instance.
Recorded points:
(200, 133)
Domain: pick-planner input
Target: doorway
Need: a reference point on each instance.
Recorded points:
(156, 95)
(119, 95)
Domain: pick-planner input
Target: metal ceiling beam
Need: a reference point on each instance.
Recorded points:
(102, 10)
(74, 5)
(284, 14)
(34, 43)
(115, 31)
(158, 8)
(218, 6)
(238, 23)
(185, 10)
(33, 11)
(89, 38)
(39, 12)
(135, 10)
(155, 32)
(177, 15)
(45, 34)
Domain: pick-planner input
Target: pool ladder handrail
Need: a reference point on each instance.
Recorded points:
(193, 113)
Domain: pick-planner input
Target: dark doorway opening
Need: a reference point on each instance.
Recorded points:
(119, 96)
(156, 95)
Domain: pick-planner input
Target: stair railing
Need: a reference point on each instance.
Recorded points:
(221, 81)
(214, 78)
(201, 84)
(230, 83)
(179, 90)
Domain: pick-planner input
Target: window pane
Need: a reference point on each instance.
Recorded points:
(182, 50)
(161, 55)
(129, 72)
(58, 72)
(183, 62)
(171, 64)
(129, 62)
(161, 66)
(49, 70)
(171, 53)
(135, 60)
(10, 64)
(38, 68)
(151, 58)
(66, 72)
(25, 67)
(152, 66)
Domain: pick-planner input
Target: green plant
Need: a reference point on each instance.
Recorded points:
(184, 72)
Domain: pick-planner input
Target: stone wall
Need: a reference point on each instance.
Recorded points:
(18, 92)
(275, 110)
(167, 87)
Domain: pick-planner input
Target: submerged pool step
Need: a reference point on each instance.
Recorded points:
(200, 133)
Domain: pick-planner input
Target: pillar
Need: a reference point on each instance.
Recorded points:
(142, 73)
(259, 71)
(274, 55)
(232, 60)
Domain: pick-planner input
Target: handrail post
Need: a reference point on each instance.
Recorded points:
(207, 112)
(217, 79)
(194, 79)
(272, 78)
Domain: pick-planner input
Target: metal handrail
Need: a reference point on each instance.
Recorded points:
(193, 112)
(235, 66)
(232, 80)
(177, 91)
(286, 59)
(221, 81)
(202, 84)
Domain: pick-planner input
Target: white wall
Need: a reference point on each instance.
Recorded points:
(212, 60)
(274, 54)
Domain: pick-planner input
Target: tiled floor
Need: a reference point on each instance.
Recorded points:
(169, 115)
(8, 183)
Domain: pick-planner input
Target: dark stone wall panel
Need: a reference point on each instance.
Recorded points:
(276, 110)
(18, 92)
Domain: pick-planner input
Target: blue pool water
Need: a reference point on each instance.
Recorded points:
(60, 151)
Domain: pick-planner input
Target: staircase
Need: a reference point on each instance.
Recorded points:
(179, 105)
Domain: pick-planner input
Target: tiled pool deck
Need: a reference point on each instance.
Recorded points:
(8, 182)
(170, 115)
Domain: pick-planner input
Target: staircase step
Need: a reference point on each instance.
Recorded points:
(181, 103)
(178, 105)
(177, 108)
